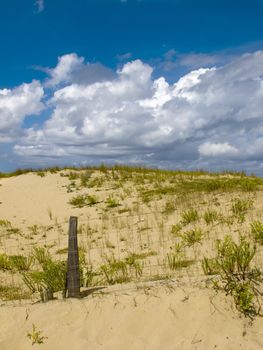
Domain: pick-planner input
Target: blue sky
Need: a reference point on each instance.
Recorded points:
(170, 83)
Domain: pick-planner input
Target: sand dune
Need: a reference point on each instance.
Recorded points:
(181, 311)
(150, 319)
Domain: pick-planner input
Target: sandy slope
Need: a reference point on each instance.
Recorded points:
(181, 316)
(29, 198)
(149, 319)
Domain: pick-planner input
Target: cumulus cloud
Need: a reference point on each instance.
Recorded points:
(174, 64)
(208, 117)
(15, 105)
(209, 149)
(72, 69)
(172, 61)
(64, 70)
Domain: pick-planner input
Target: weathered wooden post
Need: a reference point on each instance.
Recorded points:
(73, 277)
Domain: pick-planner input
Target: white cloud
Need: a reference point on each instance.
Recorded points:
(196, 60)
(39, 5)
(66, 66)
(15, 105)
(72, 69)
(208, 114)
(209, 149)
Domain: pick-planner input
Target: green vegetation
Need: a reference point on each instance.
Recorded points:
(169, 207)
(15, 262)
(41, 173)
(112, 202)
(155, 209)
(121, 271)
(83, 200)
(4, 263)
(6, 229)
(36, 336)
(11, 292)
(193, 185)
(210, 266)
(20, 263)
(176, 229)
(176, 258)
(189, 216)
(257, 231)
(192, 237)
(41, 255)
(238, 276)
(48, 281)
(85, 178)
(210, 216)
(18, 172)
(240, 207)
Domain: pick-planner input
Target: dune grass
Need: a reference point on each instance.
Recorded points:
(144, 224)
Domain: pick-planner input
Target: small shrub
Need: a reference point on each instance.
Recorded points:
(7, 228)
(91, 200)
(192, 237)
(257, 231)
(86, 276)
(71, 187)
(34, 230)
(210, 216)
(13, 231)
(176, 258)
(15, 262)
(169, 207)
(5, 223)
(210, 266)
(36, 336)
(54, 275)
(133, 263)
(8, 293)
(78, 201)
(85, 178)
(73, 176)
(20, 263)
(41, 255)
(103, 168)
(176, 262)
(112, 202)
(41, 174)
(96, 182)
(120, 271)
(5, 263)
(244, 298)
(176, 229)
(189, 216)
(240, 207)
(115, 271)
(124, 210)
(48, 281)
(238, 278)
(83, 200)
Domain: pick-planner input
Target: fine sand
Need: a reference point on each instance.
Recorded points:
(150, 319)
(181, 312)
